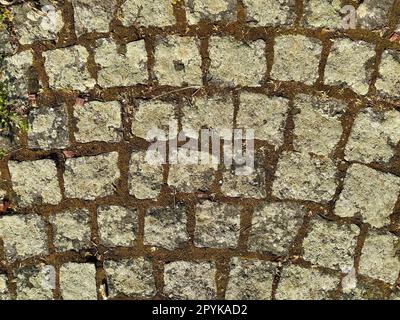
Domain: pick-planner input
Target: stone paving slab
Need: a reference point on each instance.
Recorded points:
(87, 213)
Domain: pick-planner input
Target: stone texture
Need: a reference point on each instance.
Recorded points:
(247, 63)
(150, 115)
(178, 61)
(98, 121)
(296, 58)
(48, 128)
(366, 289)
(388, 82)
(186, 176)
(379, 257)
(304, 177)
(117, 226)
(368, 194)
(210, 10)
(91, 177)
(35, 182)
(249, 185)
(323, 14)
(66, 68)
(274, 227)
(130, 277)
(92, 16)
(211, 112)
(350, 65)
(7, 46)
(270, 12)
(119, 66)
(190, 280)
(374, 136)
(250, 279)
(4, 294)
(31, 284)
(166, 227)
(145, 175)
(317, 124)
(23, 236)
(78, 281)
(265, 115)
(32, 25)
(298, 283)
(16, 72)
(158, 13)
(217, 225)
(374, 14)
(71, 230)
(330, 245)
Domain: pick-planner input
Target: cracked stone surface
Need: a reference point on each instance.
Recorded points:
(96, 202)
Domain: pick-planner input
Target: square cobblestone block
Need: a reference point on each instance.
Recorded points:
(317, 124)
(16, 71)
(178, 61)
(31, 284)
(48, 128)
(67, 68)
(185, 176)
(24, 236)
(92, 16)
(298, 283)
(247, 62)
(117, 226)
(270, 12)
(210, 10)
(350, 65)
(388, 82)
(98, 121)
(374, 14)
(153, 114)
(212, 112)
(330, 245)
(368, 194)
(379, 257)
(32, 25)
(250, 185)
(35, 182)
(121, 66)
(304, 177)
(374, 136)
(323, 14)
(274, 227)
(265, 115)
(157, 13)
(71, 230)
(190, 280)
(145, 175)
(296, 58)
(217, 225)
(130, 277)
(166, 227)
(4, 294)
(250, 279)
(91, 177)
(78, 281)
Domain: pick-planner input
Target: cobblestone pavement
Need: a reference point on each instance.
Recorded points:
(319, 218)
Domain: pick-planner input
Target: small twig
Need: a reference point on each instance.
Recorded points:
(177, 90)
